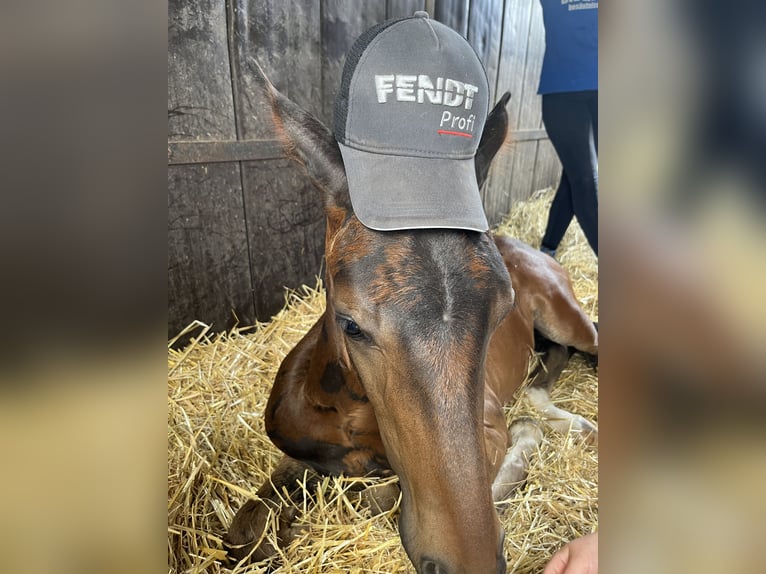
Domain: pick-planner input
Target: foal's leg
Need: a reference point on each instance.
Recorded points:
(508, 450)
(559, 317)
(555, 358)
(525, 435)
(248, 534)
(515, 444)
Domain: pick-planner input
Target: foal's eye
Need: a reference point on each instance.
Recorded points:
(350, 328)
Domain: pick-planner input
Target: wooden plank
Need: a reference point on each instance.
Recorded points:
(522, 154)
(527, 135)
(485, 29)
(283, 212)
(343, 21)
(284, 38)
(530, 111)
(453, 13)
(497, 191)
(200, 105)
(286, 226)
(403, 8)
(513, 53)
(516, 18)
(188, 152)
(208, 263)
(524, 158)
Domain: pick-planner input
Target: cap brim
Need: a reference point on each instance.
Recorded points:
(390, 192)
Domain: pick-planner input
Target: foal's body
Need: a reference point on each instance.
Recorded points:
(426, 336)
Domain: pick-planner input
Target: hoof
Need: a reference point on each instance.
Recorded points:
(381, 498)
(586, 430)
(248, 539)
(526, 428)
(526, 435)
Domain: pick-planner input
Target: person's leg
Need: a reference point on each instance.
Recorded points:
(592, 99)
(559, 216)
(570, 126)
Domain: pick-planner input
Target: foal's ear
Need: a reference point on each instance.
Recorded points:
(308, 142)
(495, 130)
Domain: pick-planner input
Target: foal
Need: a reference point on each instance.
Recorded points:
(426, 335)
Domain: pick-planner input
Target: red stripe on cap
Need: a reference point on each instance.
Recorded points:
(448, 133)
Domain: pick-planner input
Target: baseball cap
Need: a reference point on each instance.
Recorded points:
(408, 119)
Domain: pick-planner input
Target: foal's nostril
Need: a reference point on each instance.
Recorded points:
(430, 567)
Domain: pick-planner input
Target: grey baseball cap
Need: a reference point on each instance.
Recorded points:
(408, 119)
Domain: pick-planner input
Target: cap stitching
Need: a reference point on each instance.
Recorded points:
(407, 152)
(436, 36)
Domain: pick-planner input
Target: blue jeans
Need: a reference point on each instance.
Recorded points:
(571, 120)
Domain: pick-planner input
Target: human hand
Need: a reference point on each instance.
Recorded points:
(580, 556)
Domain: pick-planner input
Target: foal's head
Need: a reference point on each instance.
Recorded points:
(412, 313)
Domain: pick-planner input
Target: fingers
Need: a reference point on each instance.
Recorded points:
(559, 561)
(580, 556)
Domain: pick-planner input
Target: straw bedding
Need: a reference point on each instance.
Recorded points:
(219, 454)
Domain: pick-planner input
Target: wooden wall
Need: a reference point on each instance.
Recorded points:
(243, 222)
